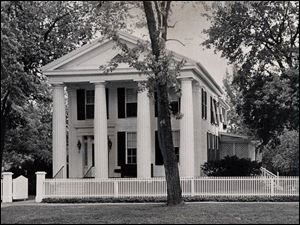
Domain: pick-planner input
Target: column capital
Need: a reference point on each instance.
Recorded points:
(7, 174)
(99, 82)
(58, 85)
(186, 78)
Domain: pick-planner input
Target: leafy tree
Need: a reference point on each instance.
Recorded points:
(262, 39)
(34, 33)
(161, 69)
(236, 123)
(283, 156)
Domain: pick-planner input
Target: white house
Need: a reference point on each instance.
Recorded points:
(112, 129)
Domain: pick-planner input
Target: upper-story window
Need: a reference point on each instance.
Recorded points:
(86, 104)
(214, 118)
(204, 103)
(174, 103)
(131, 102)
(127, 102)
(90, 104)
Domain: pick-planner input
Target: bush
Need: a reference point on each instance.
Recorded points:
(164, 199)
(282, 154)
(231, 166)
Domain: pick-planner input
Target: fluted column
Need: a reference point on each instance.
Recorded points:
(59, 132)
(100, 132)
(143, 135)
(187, 129)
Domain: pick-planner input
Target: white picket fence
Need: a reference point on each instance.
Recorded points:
(13, 189)
(157, 187)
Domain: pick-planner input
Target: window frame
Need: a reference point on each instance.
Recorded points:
(89, 104)
(126, 102)
(126, 148)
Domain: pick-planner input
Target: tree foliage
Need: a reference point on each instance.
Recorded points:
(283, 156)
(262, 40)
(33, 33)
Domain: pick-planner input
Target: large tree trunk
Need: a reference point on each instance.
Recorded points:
(164, 119)
(3, 131)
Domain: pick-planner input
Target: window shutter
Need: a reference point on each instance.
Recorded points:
(121, 102)
(81, 104)
(121, 148)
(155, 104)
(158, 156)
(107, 102)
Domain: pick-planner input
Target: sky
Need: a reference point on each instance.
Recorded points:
(189, 30)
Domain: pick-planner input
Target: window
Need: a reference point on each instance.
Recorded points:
(86, 104)
(131, 148)
(213, 152)
(90, 102)
(176, 141)
(131, 102)
(204, 104)
(174, 103)
(214, 112)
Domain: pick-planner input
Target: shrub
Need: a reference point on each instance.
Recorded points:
(231, 166)
(164, 199)
(282, 154)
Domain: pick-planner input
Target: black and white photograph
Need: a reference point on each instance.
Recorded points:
(149, 112)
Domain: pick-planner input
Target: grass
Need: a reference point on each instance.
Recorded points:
(199, 213)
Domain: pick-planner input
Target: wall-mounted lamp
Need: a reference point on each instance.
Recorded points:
(79, 145)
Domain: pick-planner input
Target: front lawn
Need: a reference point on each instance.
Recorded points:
(198, 213)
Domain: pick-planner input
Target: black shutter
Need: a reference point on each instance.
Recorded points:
(121, 148)
(81, 104)
(202, 101)
(158, 156)
(107, 102)
(155, 104)
(121, 102)
(205, 98)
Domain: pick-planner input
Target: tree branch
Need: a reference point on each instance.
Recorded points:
(46, 35)
(172, 39)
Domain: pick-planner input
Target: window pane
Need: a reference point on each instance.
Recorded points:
(131, 140)
(90, 97)
(89, 111)
(174, 105)
(131, 109)
(131, 95)
(176, 138)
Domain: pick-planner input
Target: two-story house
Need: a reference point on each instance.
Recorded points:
(111, 128)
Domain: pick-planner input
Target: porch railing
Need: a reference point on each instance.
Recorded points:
(60, 173)
(157, 187)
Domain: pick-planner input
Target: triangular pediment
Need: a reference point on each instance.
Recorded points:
(92, 56)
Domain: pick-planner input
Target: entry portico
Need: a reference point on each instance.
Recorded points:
(112, 126)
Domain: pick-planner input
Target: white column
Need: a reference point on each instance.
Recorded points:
(40, 189)
(143, 135)
(7, 187)
(100, 132)
(59, 132)
(187, 130)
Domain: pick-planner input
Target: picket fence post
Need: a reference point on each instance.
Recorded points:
(7, 187)
(40, 186)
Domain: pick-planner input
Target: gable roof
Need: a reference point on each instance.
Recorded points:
(77, 53)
